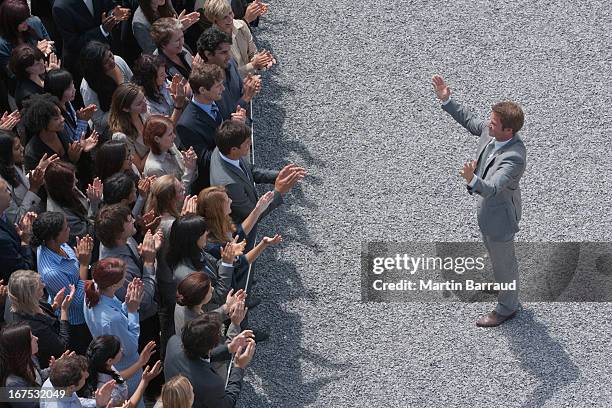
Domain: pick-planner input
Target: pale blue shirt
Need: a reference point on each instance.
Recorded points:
(206, 108)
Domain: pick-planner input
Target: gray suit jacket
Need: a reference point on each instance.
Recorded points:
(499, 205)
(240, 186)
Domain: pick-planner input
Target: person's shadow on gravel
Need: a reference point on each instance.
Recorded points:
(540, 355)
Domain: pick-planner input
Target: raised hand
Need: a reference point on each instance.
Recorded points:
(109, 21)
(150, 373)
(149, 221)
(245, 355)
(468, 170)
(146, 353)
(24, 228)
(37, 179)
(187, 20)
(54, 62)
(239, 115)
(68, 299)
(263, 59)
(134, 295)
(190, 205)
(232, 298)
(178, 91)
(90, 142)
(442, 90)
(45, 162)
(66, 353)
(86, 113)
(232, 249)
(45, 46)
(251, 86)
(94, 191)
(144, 185)
(190, 158)
(74, 151)
(9, 121)
(83, 249)
(254, 10)
(264, 201)
(288, 177)
(58, 299)
(238, 312)
(241, 340)
(121, 13)
(103, 394)
(271, 241)
(147, 249)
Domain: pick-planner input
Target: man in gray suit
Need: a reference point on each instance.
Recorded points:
(229, 168)
(495, 177)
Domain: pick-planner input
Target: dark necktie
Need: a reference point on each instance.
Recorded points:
(244, 169)
(216, 114)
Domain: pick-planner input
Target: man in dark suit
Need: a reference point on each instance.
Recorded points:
(214, 48)
(196, 126)
(495, 178)
(15, 251)
(191, 355)
(80, 21)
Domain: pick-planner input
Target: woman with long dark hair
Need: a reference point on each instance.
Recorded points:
(103, 72)
(24, 189)
(164, 97)
(26, 290)
(102, 354)
(60, 84)
(60, 266)
(126, 119)
(18, 363)
(66, 198)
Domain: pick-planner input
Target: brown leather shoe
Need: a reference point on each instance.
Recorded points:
(493, 319)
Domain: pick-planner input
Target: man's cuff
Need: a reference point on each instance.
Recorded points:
(227, 265)
(472, 183)
(446, 101)
(104, 33)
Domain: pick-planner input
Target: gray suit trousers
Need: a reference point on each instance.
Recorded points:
(505, 270)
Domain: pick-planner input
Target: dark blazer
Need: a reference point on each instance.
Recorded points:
(232, 94)
(197, 128)
(208, 387)
(24, 89)
(13, 255)
(78, 27)
(53, 334)
(240, 186)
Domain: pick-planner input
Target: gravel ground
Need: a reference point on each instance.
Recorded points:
(351, 101)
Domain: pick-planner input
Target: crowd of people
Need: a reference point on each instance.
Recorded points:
(128, 206)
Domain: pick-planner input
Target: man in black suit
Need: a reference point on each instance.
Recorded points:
(191, 355)
(196, 126)
(80, 21)
(214, 48)
(15, 251)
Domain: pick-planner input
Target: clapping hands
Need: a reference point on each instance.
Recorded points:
(9, 121)
(134, 295)
(288, 177)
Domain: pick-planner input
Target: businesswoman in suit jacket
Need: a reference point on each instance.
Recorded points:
(164, 157)
(106, 315)
(167, 33)
(66, 198)
(126, 120)
(28, 65)
(19, 366)
(103, 72)
(26, 290)
(215, 206)
(60, 84)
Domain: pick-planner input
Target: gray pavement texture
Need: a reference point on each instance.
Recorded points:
(351, 101)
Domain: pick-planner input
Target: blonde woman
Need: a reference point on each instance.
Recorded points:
(243, 50)
(126, 119)
(25, 289)
(177, 392)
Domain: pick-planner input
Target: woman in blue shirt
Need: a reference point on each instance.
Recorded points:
(105, 314)
(59, 267)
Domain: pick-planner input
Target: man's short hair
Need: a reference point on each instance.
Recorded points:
(109, 223)
(205, 75)
(510, 115)
(117, 187)
(68, 370)
(211, 39)
(201, 335)
(231, 134)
